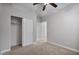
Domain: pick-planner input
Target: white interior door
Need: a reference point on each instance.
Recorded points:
(42, 32)
(27, 32)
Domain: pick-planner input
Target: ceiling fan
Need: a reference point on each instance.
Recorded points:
(45, 4)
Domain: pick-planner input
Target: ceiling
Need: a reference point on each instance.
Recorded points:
(38, 8)
(51, 10)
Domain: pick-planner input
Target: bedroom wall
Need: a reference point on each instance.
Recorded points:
(9, 10)
(63, 27)
(0, 26)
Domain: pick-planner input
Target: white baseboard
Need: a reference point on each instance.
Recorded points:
(4, 51)
(72, 49)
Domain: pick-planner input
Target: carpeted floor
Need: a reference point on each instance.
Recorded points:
(41, 49)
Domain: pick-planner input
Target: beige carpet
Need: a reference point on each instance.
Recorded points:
(41, 49)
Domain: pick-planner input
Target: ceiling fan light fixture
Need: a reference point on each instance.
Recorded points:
(46, 3)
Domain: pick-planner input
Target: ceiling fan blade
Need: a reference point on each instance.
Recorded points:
(44, 7)
(35, 3)
(53, 4)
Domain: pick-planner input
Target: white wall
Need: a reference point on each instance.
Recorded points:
(9, 10)
(0, 26)
(5, 26)
(63, 27)
(38, 31)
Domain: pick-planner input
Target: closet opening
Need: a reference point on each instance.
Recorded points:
(16, 32)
